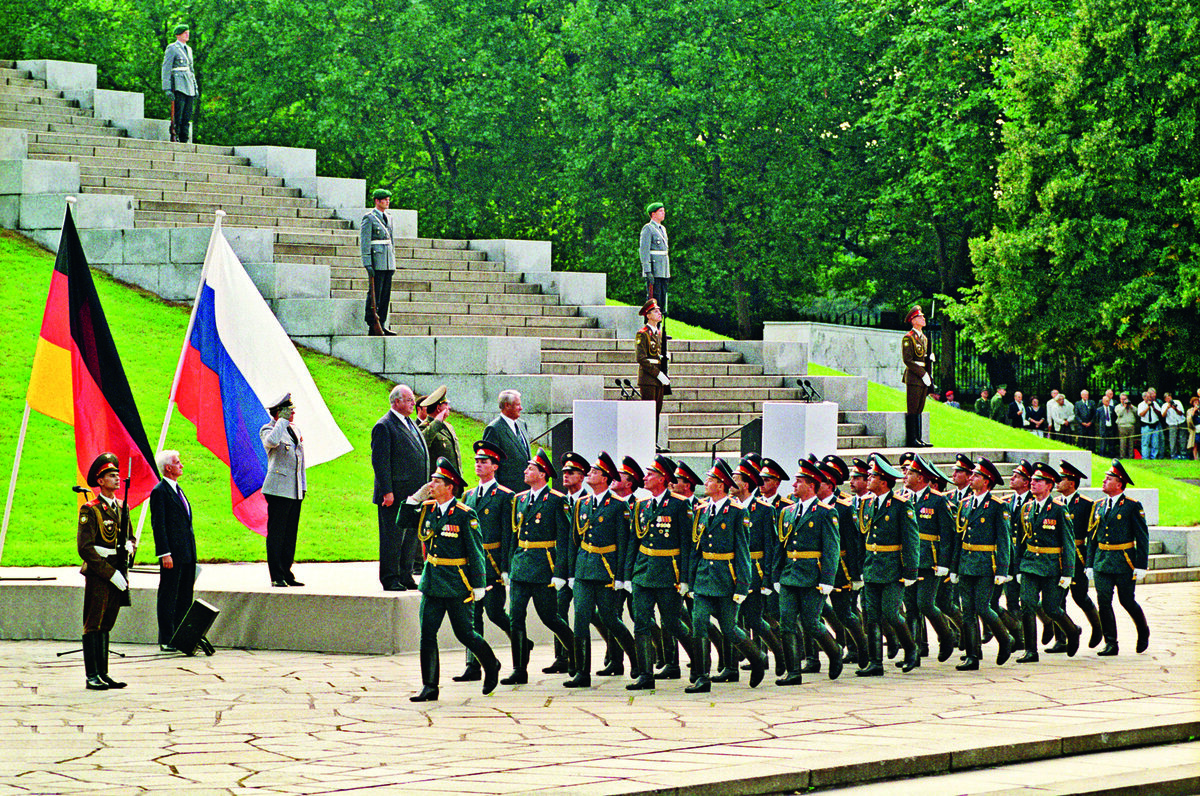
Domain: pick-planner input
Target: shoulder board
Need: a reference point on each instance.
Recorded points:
(901, 498)
(787, 501)
(844, 501)
(557, 493)
(523, 492)
(431, 502)
(1058, 501)
(763, 501)
(93, 502)
(502, 489)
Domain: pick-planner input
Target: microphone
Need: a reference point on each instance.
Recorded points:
(804, 394)
(636, 393)
(624, 392)
(812, 391)
(83, 490)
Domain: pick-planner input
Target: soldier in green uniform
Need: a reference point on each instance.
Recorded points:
(492, 503)
(601, 524)
(1080, 509)
(918, 359)
(889, 564)
(936, 533)
(773, 475)
(1047, 561)
(538, 555)
(656, 563)
(1010, 615)
(439, 434)
(453, 578)
(1117, 555)
(573, 468)
(104, 540)
(805, 561)
(719, 575)
(685, 485)
(840, 611)
(980, 561)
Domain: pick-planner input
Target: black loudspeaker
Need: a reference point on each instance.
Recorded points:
(195, 623)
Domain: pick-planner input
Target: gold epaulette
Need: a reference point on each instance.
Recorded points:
(554, 491)
(844, 501)
(901, 498)
(503, 489)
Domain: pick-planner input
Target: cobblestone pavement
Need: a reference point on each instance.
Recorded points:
(249, 722)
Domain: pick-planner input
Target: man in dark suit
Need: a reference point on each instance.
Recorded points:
(1106, 426)
(400, 460)
(510, 434)
(1085, 421)
(175, 546)
(1017, 411)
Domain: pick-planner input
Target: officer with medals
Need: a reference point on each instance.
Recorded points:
(979, 562)
(889, 564)
(719, 576)
(574, 468)
(1011, 613)
(1047, 561)
(656, 563)
(1117, 555)
(452, 579)
(849, 565)
(936, 532)
(804, 567)
(918, 358)
(773, 476)
(601, 524)
(1080, 509)
(492, 503)
(104, 540)
(538, 556)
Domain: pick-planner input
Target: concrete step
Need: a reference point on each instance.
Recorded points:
(718, 430)
(184, 183)
(581, 356)
(150, 158)
(536, 314)
(1167, 561)
(679, 369)
(494, 331)
(405, 318)
(407, 264)
(37, 125)
(861, 442)
(44, 105)
(716, 395)
(161, 163)
(134, 147)
(623, 345)
(31, 89)
(282, 209)
(187, 195)
(1178, 575)
(157, 218)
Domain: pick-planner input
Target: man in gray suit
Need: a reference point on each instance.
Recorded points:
(653, 250)
(284, 489)
(379, 258)
(400, 460)
(179, 82)
(510, 434)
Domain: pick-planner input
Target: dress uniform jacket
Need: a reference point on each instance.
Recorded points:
(178, 69)
(653, 251)
(285, 460)
(375, 242)
(660, 552)
(493, 509)
(890, 546)
(648, 349)
(453, 551)
(100, 539)
(808, 546)
(1082, 519)
(984, 548)
(1047, 547)
(441, 440)
(540, 542)
(914, 351)
(850, 540)
(601, 538)
(936, 528)
(1015, 503)
(762, 522)
(720, 564)
(1121, 542)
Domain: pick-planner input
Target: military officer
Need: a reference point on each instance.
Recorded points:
(918, 359)
(379, 258)
(648, 349)
(980, 562)
(573, 468)
(492, 503)
(889, 564)
(849, 566)
(452, 579)
(803, 572)
(773, 475)
(179, 82)
(719, 575)
(685, 484)
(601, 533)
(937, 532)
(538, 558)
(104, 540)
(1117, 555)
(656, 565)
(653, 251)
(1080, 509)
(439, 435)
(1047, 561)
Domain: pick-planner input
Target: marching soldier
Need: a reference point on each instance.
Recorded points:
(720, 575)
(1011, 613)
(1080, 509)
(574, 469)
(492, 503)
(1117, 556)
(848, 572)
(773, 475)
(538, 558)
(980, 562)
(918, 359)
(936, 534)
(686, 482)
(104, 540)
(1047, 561)
(453, 578)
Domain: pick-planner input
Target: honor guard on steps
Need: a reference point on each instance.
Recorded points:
(453, 578)
(179, 82)
(936, 533)
(379, 259)
(1117, 556)
(654, 253)
(648, 349)
(104, 540)
(1082, 519)
(918, 365)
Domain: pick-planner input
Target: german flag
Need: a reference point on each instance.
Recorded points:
(78, 378)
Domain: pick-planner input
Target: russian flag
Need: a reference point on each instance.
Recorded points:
(236, 361)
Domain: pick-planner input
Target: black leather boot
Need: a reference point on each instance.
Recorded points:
(670, 652)
(1003, 639)
(971, 643)
(644, 646)
(812, 663)
(729, 672)
(833, 652)
(1093, 618)
(1029, 622)
(520, 674)
(791, 650)
(1143, 628)
(912, 653)
(700, 667)
(93, 681)
(429, 676)
(102, 662)
(874, 667)
(583, 663)
(776, 647)
(470, 674)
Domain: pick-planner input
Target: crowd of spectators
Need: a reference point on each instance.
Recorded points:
(1116, 425)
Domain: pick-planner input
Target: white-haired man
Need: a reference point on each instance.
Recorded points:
(510, 434)
(175, 546)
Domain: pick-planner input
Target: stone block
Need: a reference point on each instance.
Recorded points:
(10, 211)
(466, 393)
(340, 193)
(888, 769)
(14, 143)
(404, 222)
(145, 129)
(150, 245)
(547, 394)
(409, 355)
(526, 256)
(38, 176)
(103, 246)
(483, 355)
(856, 350)
(179, 281)
(92, 211)
(118, 104)
(791, 430)
(48, 239)
(143, 275)
(784, 358)
(1006, 753)
(188, 244)
(623, 428)
(322, 345)
(848, 392)
(889, 425)
(250, 244)
(62, 75)
(279, 161)
(574, 287)
(1135, 736)
(364, 352)
(296, 280)
(625, 321)
(1179, 542)
(309, 317)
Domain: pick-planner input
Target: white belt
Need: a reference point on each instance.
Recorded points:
(104, 552)
(181, 69)
(661, 253)
(381, 243)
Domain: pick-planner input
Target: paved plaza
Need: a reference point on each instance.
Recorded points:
(254, 722)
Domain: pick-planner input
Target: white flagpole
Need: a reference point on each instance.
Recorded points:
(12, 483)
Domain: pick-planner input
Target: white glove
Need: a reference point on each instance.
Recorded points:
(617, 585)
(928, 382)
(764, 591)
(954, 577)
(1138, 574)
(479, 593)
(119, 581)
(1064, 582)
(130, 547)
(826, 588)
(557, 583)
(739, 598)
(1089, 572)
(908, 581)
(778, 588)
(1000, 580)
(856, 585)
(683, 589)
(421, 495)
(627, 586)
(941, 572)
(1018, 577)
(570, 583)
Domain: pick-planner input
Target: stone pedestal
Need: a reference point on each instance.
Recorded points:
(792, 430)
(623, 428)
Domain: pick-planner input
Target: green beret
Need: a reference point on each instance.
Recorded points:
(180, 29)
(381, 193)
(650, 208)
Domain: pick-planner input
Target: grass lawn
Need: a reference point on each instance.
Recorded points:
(678, 329)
